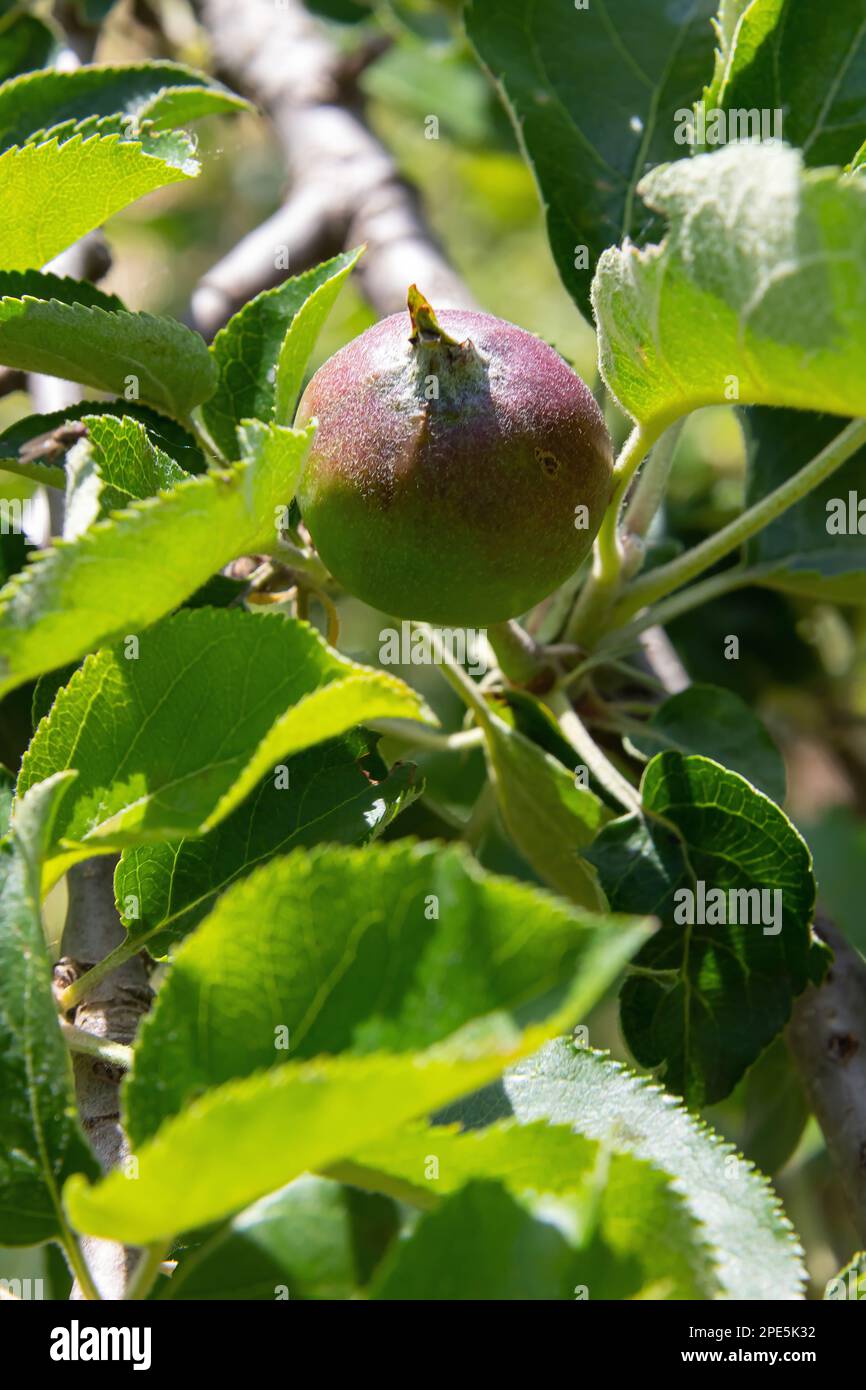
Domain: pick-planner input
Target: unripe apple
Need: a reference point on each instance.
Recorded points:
(460, 469)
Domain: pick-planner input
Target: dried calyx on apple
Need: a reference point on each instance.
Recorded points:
(460, 469)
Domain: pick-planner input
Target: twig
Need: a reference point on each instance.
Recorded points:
(148, 1270)
(650, 488)
(664, 580)
(116, 1054)
(12, 380)
(608, 556)
(111, 1013)
(596, 760)
(345, 189)
(661, 657)
(827, 1037)
(417, 736)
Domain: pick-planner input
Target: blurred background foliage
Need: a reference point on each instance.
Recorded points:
(802, 664)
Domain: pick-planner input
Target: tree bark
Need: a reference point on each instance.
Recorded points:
(344, 186)
(827, 1038)
(112, 1010)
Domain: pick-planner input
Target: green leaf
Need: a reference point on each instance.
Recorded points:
(261, 353)
(818, 547)
(175, 147)
(166, 94)
(549, 818)
(339, 791)
(45, 691)
(483, 1244)
(536, 722)
(16, 501)
(220, 591)
(244, 1139)
(7, 792)
(837, 839)
(35, 446)
(105, 584)
(38, 284)
(783, 55)
(115, 465)
(316, 1239)
(247, 690)
(631, 1232)
(718, 724)
(594, 94)
(93, 12)
(13, 554)
(856, 165)
(850, 1282)
(763, 269)
(52, 194)
(301, 333)
(341, 11)
(725, 24)
(775, 1109)
(267, 445)
(65, 334)
(755, 1250)
(736, 43)
(354, 950)
(705, 998)
(26, 43)
(40, 1142)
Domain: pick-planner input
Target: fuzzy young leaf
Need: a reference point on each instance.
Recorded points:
(755, 1252)
(591, 135)
(762, 271)
(261, 353)
(354, 950)
(339, 791)
(52, 194)
(40, 1142)
(708, 995)
(105, 583)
